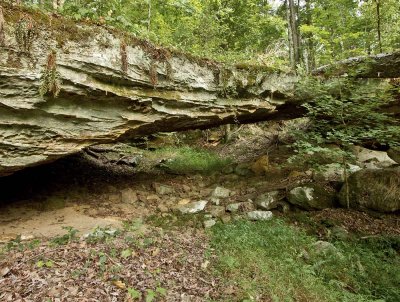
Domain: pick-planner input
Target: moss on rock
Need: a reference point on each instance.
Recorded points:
(374, 189)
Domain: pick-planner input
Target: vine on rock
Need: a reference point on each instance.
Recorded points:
(2, 23)
(25, 32)
(124, 57)
(50, 81)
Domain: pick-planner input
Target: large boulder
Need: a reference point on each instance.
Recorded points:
(394, 153)
(373, 189)
(372, 159)
(334, 172)
(312, 197)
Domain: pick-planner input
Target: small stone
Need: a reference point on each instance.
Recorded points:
(268, 201)
(114, 197)
(220, 192)
(217, 211)
(243, 170)
(153, 197)
(27, 237)
(163, 189)
(240, 206)
(186, 188)
(325, 248)
(215, 201)
(129, 196)
(226, 219)
(183, 201)
(209, 223)
(233, 207)
(162, 208)
(228, 169)
(260, 215)
(192, 207)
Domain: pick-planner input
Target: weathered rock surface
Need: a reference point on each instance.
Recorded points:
(259, 215)
(192, 207)
(311, 197)
(268, 201)
(372, 159)
(334, 172)
(385, 65)
(374, 189)
(114, 87)
(394, 154)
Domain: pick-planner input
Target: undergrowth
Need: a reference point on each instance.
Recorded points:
(187, 160)
(272, 261)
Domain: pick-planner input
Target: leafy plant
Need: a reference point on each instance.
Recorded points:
(67, 238)
(50, 81)
(345, 113)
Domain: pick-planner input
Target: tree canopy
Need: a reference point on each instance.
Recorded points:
(250, 30)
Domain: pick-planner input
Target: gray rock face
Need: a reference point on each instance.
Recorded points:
(268, 201)
(259, 215)
(114, 88)
(129, 196)
(240, 207)
(334, 172)
(374, 189)
(394, 154)
(217, 211)
(163, 189)
(220, 192)
(311, 197)
(192, 207)
(372, 159)
(209, 223)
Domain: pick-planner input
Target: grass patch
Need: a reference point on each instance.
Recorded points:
(272, 261)
(187, 160)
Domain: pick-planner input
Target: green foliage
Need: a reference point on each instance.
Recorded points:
(43, 263)
(25, 33)
(266, 260)
(50, 80)
(345, 112)
(187, 160)
(67, 238)
(134, 294)
(102, 234)
(248, 30)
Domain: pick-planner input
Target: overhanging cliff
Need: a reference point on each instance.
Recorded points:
(99, 85)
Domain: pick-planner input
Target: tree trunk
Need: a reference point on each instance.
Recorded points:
(309, 40)
(293, 33)
(378, 16)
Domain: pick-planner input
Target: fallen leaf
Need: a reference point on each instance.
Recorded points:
(119, 284)
(4, 271)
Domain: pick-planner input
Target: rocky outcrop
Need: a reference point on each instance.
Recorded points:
(99, 85)
(394, 154)
(312, 197)
(373, 189)
(386, 65)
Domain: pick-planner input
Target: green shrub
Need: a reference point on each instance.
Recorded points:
(187, 160)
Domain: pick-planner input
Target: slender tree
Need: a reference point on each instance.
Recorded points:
(293, 34)
(378, 23)
(309, 41)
